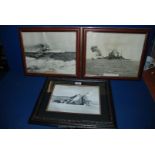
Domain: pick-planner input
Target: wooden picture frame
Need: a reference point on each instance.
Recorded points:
(153, 49)
(72, 106)
(114, 53)
(53, 51)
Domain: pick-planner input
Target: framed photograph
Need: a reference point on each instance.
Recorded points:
(75, 99)
(113, 53)
(75, 104)
(51, 51)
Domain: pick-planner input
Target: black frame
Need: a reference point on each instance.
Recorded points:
(71, 120)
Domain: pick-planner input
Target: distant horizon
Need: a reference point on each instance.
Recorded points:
(127, 44)
(31, 48)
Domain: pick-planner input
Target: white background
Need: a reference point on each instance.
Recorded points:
(77, 142)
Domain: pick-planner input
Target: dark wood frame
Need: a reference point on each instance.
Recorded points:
(73, 120)
(114, 30)
(153, 49)
(53, 29)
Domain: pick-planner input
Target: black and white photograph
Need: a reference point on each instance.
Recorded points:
(113, 54)
(50, 52)
(75, 99)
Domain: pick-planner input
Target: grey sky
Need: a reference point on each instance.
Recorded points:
(64, 41)
(68, 90)
(129, 45)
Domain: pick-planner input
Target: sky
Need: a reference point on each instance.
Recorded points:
(129, 45)
(71, 90)
(64, 41)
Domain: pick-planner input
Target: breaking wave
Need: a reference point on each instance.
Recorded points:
(50, 65)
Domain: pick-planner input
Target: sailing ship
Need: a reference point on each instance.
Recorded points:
(77, 99)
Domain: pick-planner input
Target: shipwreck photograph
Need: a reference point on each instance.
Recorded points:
(50, 52)
(113, 54)
(75, 99)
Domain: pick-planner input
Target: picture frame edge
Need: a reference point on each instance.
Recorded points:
(52, 29)
(34, 119)
(145, 31)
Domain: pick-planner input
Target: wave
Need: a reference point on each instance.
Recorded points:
(50, 65)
